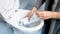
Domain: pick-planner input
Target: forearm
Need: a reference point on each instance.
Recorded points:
(56, 15)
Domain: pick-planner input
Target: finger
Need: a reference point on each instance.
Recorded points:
(30, 14)
(40, 16)
(43, 17)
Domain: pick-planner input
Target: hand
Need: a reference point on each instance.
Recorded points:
(30, 14)
(44, 14)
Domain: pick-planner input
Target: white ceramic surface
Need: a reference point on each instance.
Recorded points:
(20, 15)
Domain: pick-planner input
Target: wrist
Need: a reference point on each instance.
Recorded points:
(54, 14)
(34, 9)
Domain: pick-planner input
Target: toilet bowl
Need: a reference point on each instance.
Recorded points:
(34, 27)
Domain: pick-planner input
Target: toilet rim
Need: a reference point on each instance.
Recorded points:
(34, 28)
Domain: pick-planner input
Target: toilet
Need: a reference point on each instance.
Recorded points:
(34, 28)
